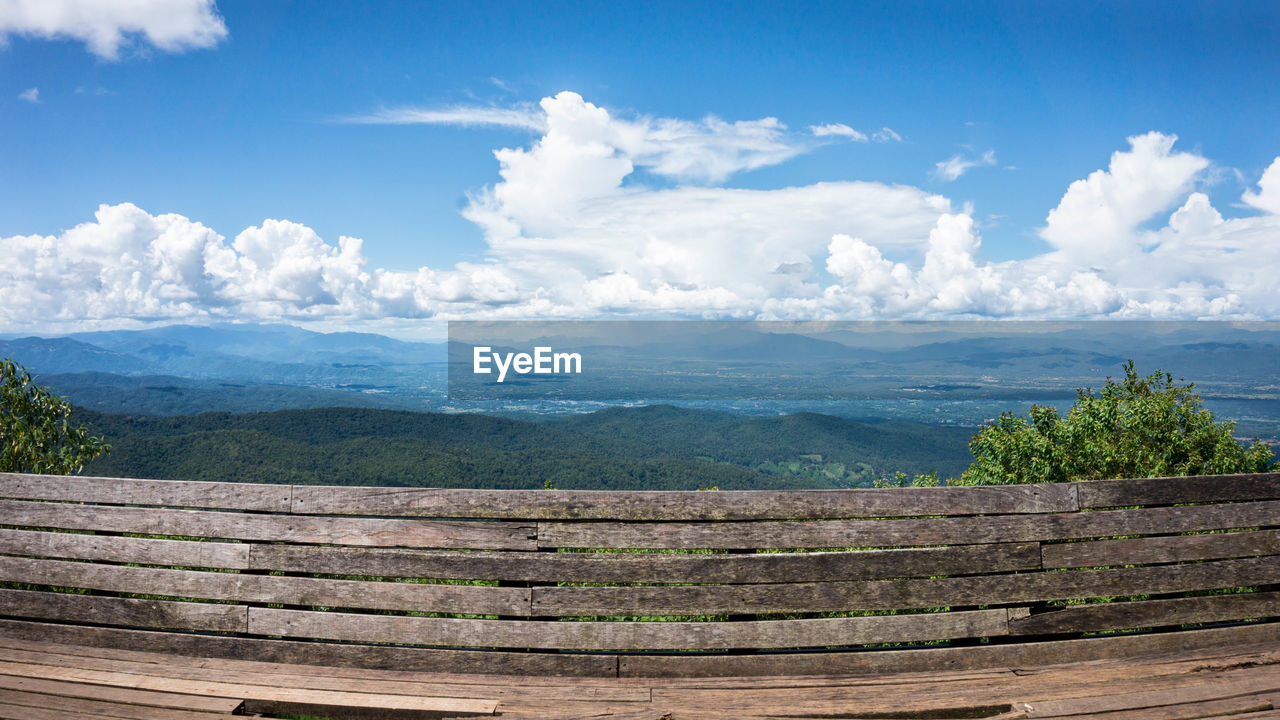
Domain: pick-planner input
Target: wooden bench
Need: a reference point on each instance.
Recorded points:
(216, 586)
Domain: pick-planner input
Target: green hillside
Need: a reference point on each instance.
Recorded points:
(821, 448)
(634, 448)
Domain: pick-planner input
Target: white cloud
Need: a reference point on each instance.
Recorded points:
(708, 150)
(953, 281)
(1096, 220)
(105, 26)
(951, 169)
(838, 130)
(571, 233)
(31, 95)
(885, 134)
(526, 118)
(1267, 198)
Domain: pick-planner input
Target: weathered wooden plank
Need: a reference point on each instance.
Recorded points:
(1248, 684)
(257, 692)
(1020, 655)
(76, 655)
(33, 706)
(907, 532)
(817, 632)
(1137, 669)
(953, 698)
(126, 491)
(424, 597)
(1170, 490)
(1149, 613)
(123, 611)
(371, 657)
(631, 505)
(115, 548)
(394, 532)
(1173, 548)
(899, 594)
(386, 683)
(1016, 655)
(125, 696)
(1235, 707)
(273, 709)
(649, 567)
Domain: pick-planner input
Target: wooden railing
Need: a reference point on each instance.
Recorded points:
(642, 583)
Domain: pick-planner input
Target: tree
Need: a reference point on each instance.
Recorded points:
(36, 433)
(1141, 427)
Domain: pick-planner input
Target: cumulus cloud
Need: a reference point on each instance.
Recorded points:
(170, 25)
(953, 281)
(838, 130)
(1267, 198)
(704, 151)
(951, 169)
(1096, 219)
(573, 231)
(31, 95)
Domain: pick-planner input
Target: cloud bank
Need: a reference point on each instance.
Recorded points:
(574, 231)
(105, 26)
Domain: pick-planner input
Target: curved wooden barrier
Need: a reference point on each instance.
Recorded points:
(546, 582)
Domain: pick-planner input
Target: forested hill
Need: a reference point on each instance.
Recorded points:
(657, 447)
(752, 440)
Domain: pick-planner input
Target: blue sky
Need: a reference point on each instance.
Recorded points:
(903, 158)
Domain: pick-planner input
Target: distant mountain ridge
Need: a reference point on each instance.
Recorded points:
(91, 368)
(935, 373)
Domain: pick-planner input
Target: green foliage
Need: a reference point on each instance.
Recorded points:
(36, 433)
(817, 450)
(1140, 427)
(657, 448)
(901, 479)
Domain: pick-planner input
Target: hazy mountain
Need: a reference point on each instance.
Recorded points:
(945, 373)
(62, 355)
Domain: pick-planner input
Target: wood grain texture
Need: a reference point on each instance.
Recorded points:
(135, 612)
(1013, 655)
(1011, 547)
(649, 567)
(126, 491)
(907, 532)
(128, 696)
(392, 532)
(1025, 656)
(1170, 490)
(818, 632)
(115, 548)
(1150, 613)
(1150, 550)
(648, 506)
(423, 597)
(319, 678)
(1248, 682)
(900, 594)
(30, 706)
(301, 652)
(258, 692)
(1247, 708)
